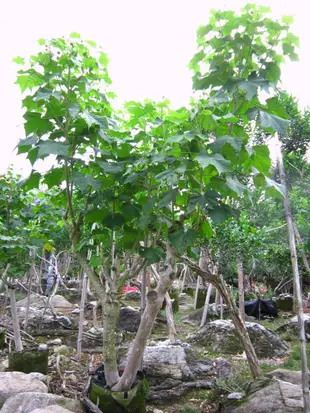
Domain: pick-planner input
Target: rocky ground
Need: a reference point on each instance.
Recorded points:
(205, 371)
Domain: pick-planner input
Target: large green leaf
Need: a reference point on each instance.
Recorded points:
(91, 119)
(82, 181)
(151, 254)
(53, 148)
(206, 230)
(113, 221)
(236, 186)
(74, 110)
(96, 215)
(181, 239)
(235, 143)
(220, 213)
(260, 158)
(217, 160)
(130, 211)
(168, 197)
(54, 177)
(32, 181)
(111, 167)
(36, 124)
(45, 94)
(273, 123)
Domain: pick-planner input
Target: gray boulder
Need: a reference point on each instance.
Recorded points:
(12, 383)
(277, 397)
(51, 409)
(291, 327)
(285, 302)
(39, 302)
(221, 336)
(133, 295)
(293, 377)
(27, 402)
(173, 370)
(194, 319)
(185, 301)
(49, 325)
(129, 319)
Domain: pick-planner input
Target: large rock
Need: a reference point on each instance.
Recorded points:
(133, 295)
(221, 336)
(172, 370)
(51, 409)
(12, 383)
(285, 302)
(129, 319)
(291, 327)
(49, 325)
(92, 340)
(277, 397)
(39, 302)
(186, 301)
(293, 377)
(27, 402)
(195, 317)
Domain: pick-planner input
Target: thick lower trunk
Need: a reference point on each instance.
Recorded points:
(241, 287)
(81, 318)
(15, 322)
(110, 310)
(154, 302)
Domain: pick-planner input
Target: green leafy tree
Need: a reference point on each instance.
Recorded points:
(146, 182)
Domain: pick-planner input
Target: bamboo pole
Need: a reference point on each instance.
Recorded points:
(241, 286)
(206, 306)
(296, 281)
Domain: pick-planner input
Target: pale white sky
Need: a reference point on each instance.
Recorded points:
(149, 44)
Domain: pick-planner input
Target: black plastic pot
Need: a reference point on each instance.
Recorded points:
(29, 361)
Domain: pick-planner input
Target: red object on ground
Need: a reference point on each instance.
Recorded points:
(127, 289)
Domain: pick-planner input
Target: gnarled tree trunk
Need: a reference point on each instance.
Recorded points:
(154, 302)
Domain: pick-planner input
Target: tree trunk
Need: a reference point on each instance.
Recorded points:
(297, 289)
(154, 302)
(241, 287)
(15, 322)
(81, 318)
(206, 306)
(110, 312)
(170, 320)
(143, 290)
(241, 330)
